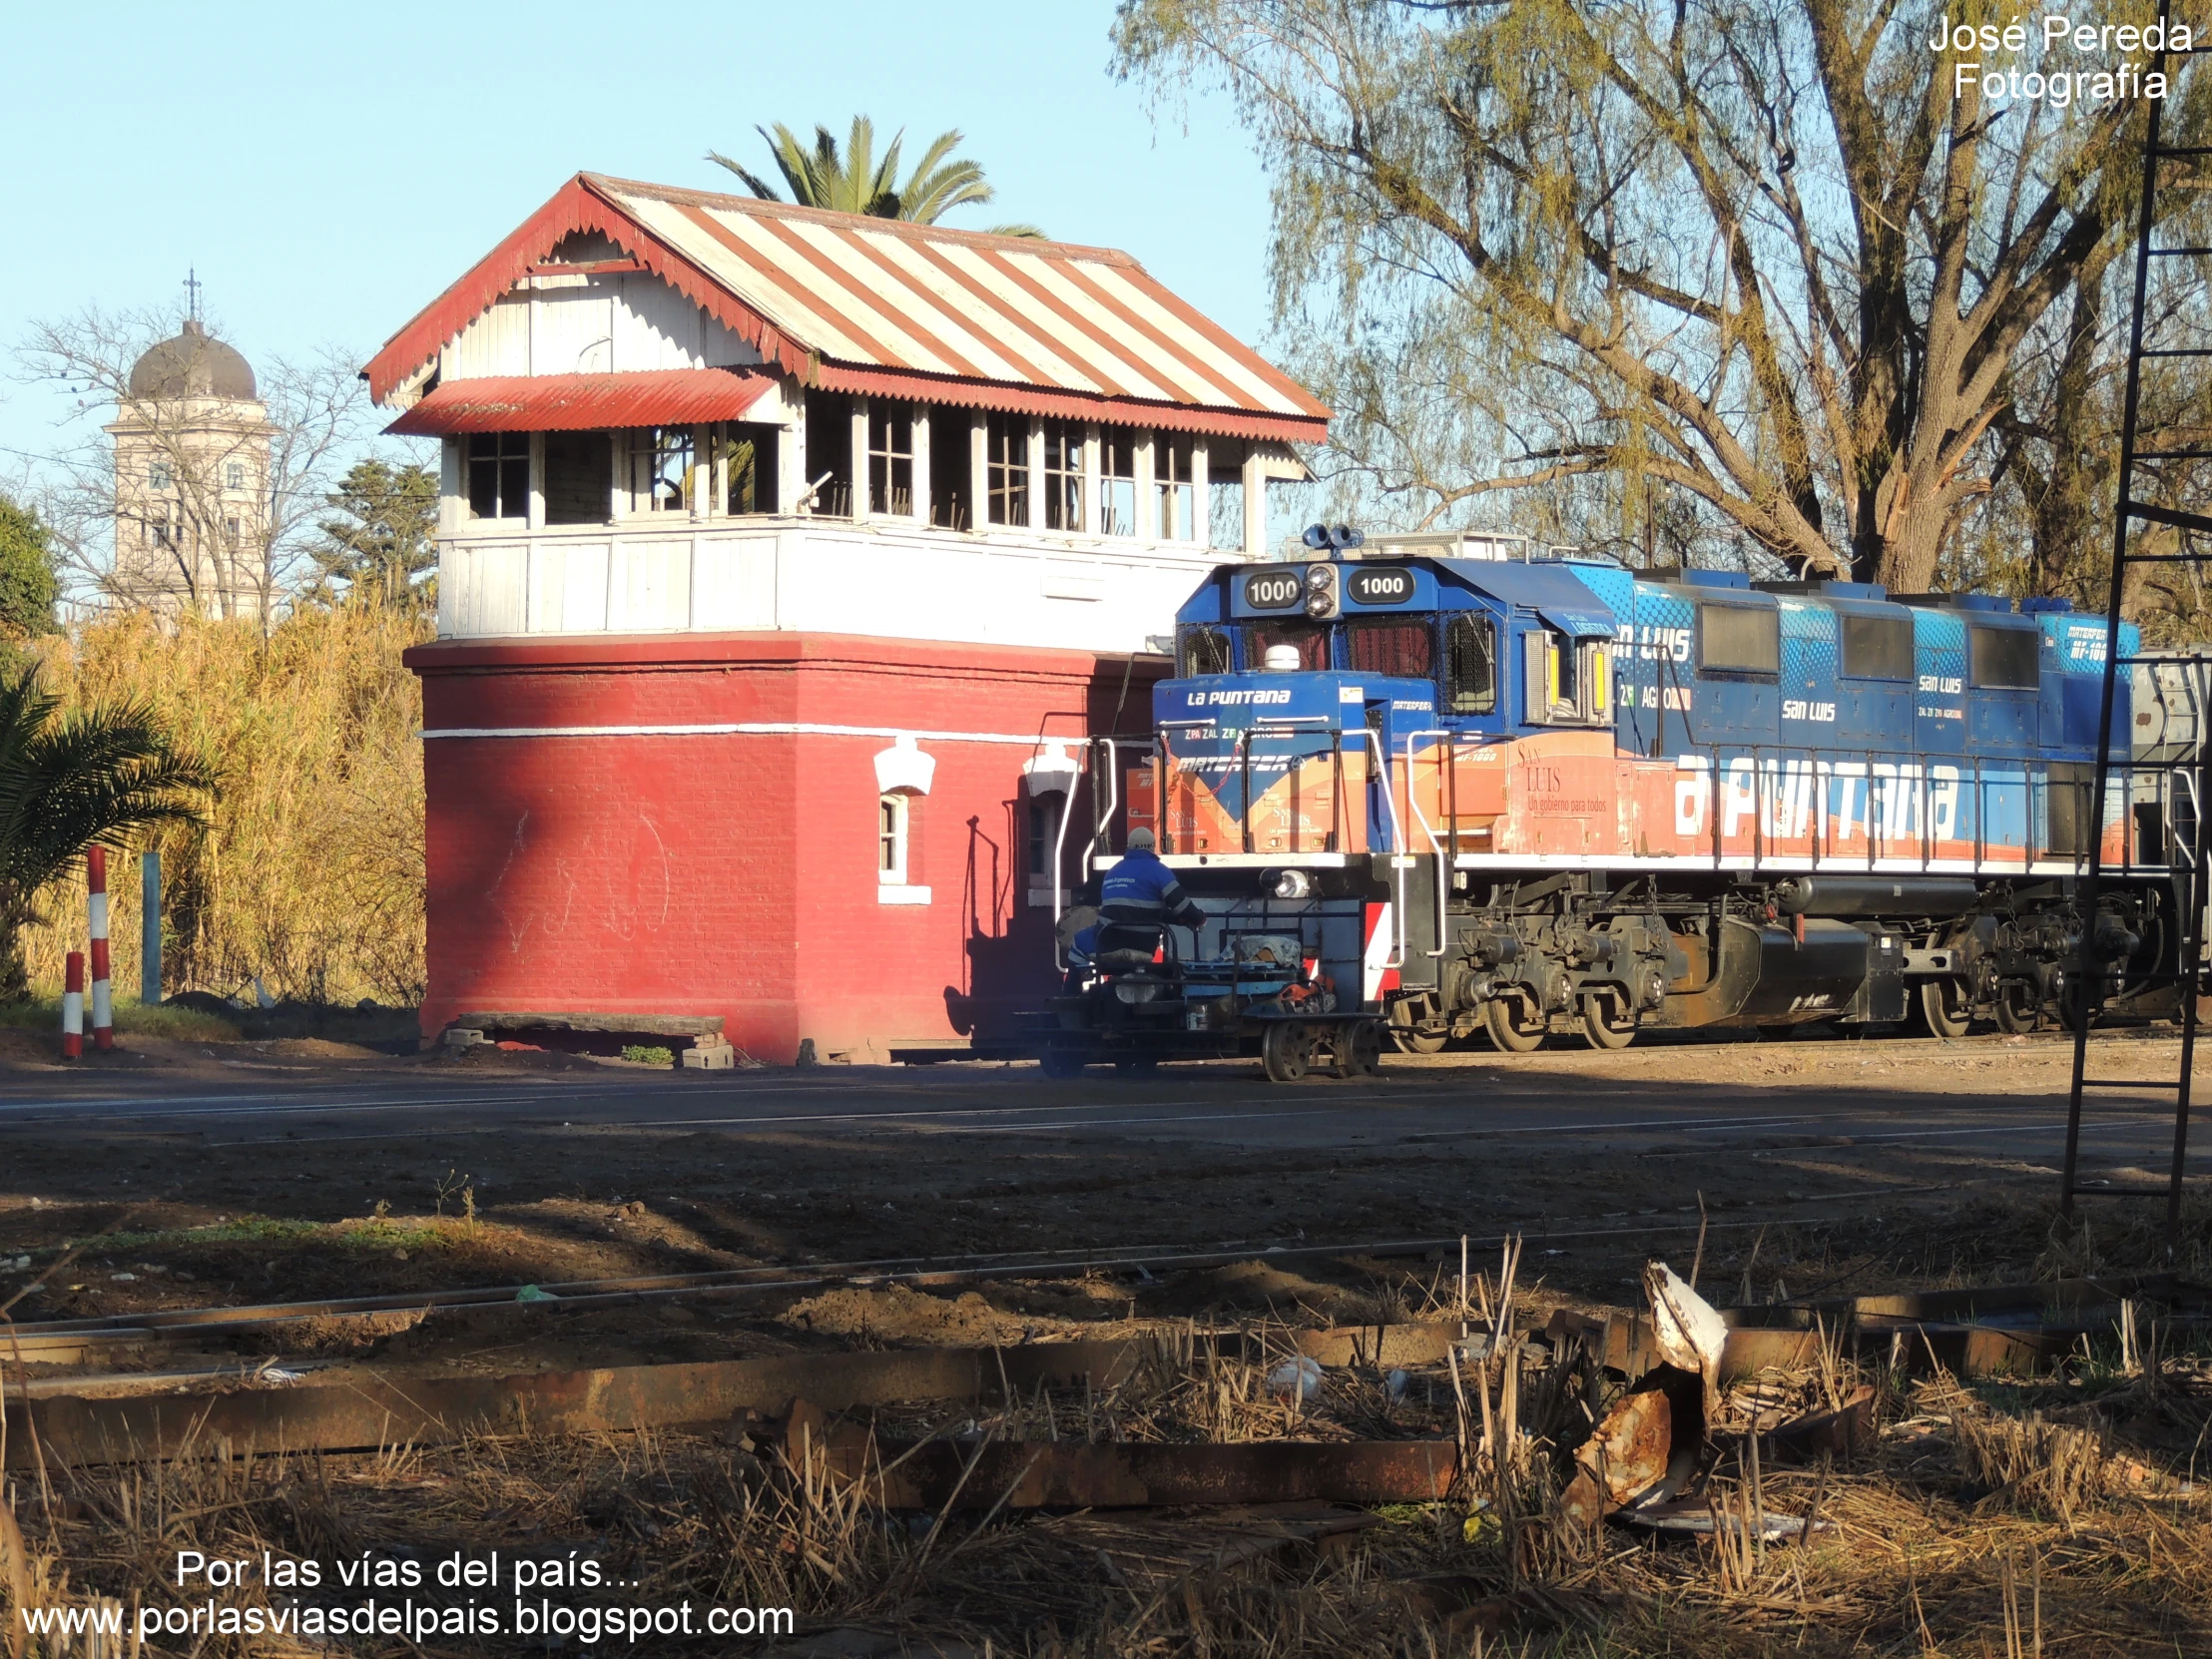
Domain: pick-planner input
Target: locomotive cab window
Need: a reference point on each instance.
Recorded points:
(1403, 647)
(1738, 638)
(1201, 649)
(1877, 647)
(2004, 659)
(1563, 679)
(1471, 665)
(1309, 639)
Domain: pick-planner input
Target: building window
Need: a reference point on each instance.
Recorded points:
(234, 476)
(1007, 468)
(891, 841)
(890, 460)
(1045, 822)
(1117, 485)
(499, 474)
(579, 477)
(1400, 648)
(748, 459)
(157, 475)
(1063, 475)
(662, 459)
(231, 536)
(157, 528)
(1174, 489)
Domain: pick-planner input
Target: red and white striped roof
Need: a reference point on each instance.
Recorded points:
(850, 302)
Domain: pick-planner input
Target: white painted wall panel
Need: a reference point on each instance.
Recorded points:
(650, 591)
(733, 583)
(568, 587)
(498, 342)
(574, 333)
(489, 583)
(656, 328)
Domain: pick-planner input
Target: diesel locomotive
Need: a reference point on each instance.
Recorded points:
(1493, 789)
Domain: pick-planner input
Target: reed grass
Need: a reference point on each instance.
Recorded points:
(309, 874)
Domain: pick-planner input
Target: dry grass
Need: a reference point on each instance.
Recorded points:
(2013, 1520)
(309, 873)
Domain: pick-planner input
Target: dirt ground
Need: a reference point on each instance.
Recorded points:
(126, 1215)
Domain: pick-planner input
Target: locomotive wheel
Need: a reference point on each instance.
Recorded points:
(1602, 1025)
(1945, 1007)
(2018, 1009)
(1060, 1062)
(1359, 1050)
(1501, 1018)
(1287, 1051)
(1418, 1042)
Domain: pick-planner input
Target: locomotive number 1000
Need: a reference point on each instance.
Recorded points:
(1273, 590)
(1380, 587)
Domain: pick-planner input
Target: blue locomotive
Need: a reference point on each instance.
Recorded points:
(1501, 790)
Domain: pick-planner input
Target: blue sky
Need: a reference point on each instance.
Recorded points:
(329, 170)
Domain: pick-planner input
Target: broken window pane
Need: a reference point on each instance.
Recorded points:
(890, 460)
(1117, 483)
(1063, 475)
(1007, 468)
(1173, 488)
(499, 474)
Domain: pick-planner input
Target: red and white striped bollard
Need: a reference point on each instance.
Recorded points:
(73, 1007)
(103, 998)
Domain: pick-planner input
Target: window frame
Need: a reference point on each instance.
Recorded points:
(234, 475)
(1063, 476)
(894, 852)
(1975, 631)
(1772, 614)
(159, 475)
(1117, 448)
(887, 420)
(507, 451)
(1174, 493)
(1006, 480)
(1585, 656)
(1187, 634)
(1484, 627)
(1844, 668)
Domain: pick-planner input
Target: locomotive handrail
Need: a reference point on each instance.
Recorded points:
(1397, 837)
(1412, 805)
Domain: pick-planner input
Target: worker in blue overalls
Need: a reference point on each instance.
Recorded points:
(1140, 898)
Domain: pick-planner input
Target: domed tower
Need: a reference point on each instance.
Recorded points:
(192, 454)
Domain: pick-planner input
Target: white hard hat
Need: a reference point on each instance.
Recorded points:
(1140, 841)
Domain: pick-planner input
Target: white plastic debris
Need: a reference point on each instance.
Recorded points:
(124, 1278)
(530, 1292)
(1296, 1380)
(1397, 1382)
(16, 1264)
(277, 1373)
(1688, 1329)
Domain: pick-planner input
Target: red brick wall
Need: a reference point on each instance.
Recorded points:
(734, 873)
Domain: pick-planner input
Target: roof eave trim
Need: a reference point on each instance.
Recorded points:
(1014, 398)
(576, 205)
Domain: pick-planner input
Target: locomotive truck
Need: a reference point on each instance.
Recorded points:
(1494, 789)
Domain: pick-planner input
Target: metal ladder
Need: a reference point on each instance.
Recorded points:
(2184, 852)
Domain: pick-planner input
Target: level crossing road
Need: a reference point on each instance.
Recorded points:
(1840, 1097)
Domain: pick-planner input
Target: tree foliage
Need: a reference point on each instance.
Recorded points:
(29, 584)
(382, 541)
(72, 778)
(1747, 257)
(857, 181)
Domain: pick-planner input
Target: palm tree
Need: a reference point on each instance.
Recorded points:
(67, 780)
(857, 182)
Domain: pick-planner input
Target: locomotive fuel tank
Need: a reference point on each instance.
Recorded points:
(1875, 896)
(1766, 975)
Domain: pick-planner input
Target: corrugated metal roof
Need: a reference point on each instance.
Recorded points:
(583, 402)
(955, 311)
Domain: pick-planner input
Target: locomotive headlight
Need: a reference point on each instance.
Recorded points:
(1294, 883)
(1320, 591)
(1320, 578)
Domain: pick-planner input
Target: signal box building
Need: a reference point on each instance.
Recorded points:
(785, 558)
